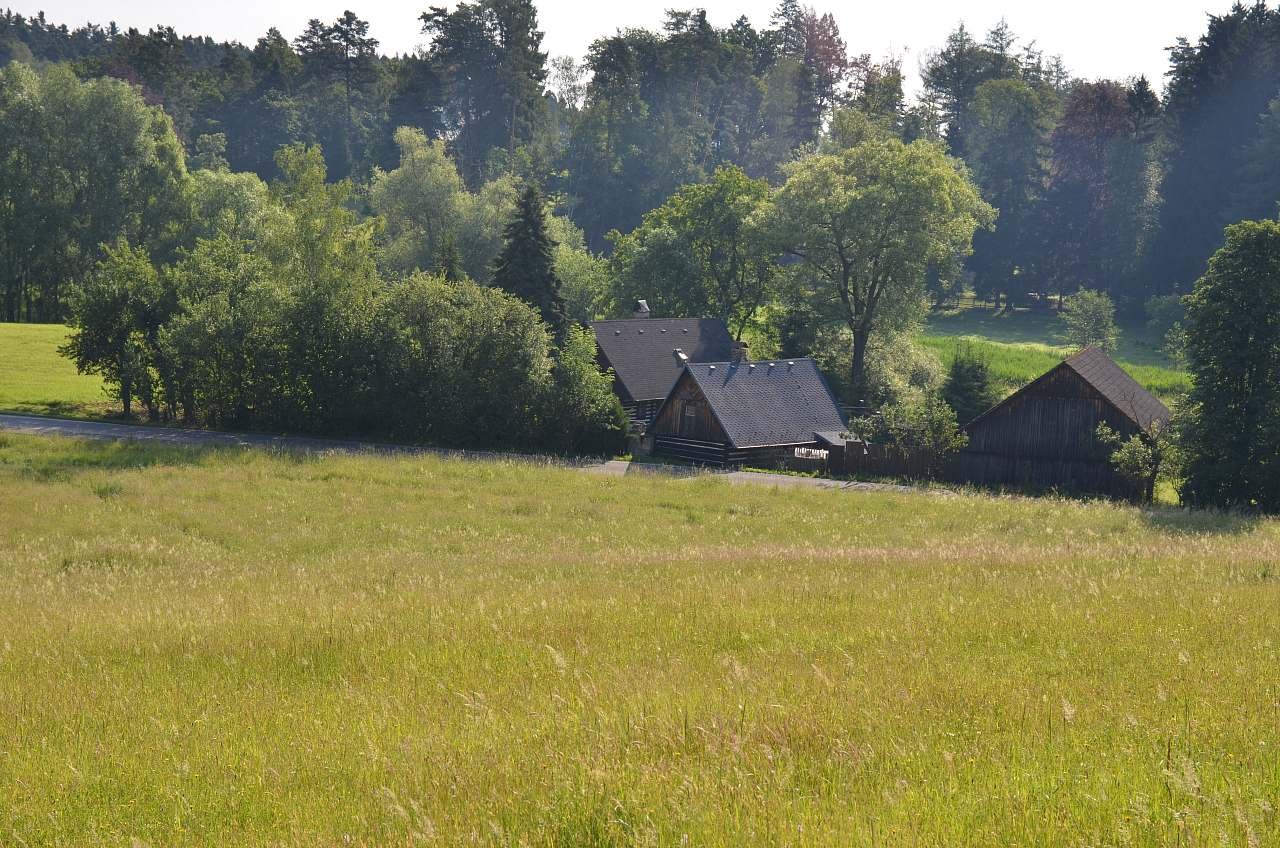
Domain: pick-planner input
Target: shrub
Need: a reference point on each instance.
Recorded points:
(1089, 319)
(925, 424)
(581, 415)
(968, 388)
(458, 364)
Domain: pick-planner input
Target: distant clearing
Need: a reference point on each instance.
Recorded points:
(1023, 345)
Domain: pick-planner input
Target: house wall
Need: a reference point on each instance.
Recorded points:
(1044, 438)
(687, 415)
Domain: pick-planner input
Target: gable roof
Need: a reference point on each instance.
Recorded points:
(1114, 383)
(1109, 380)
(642, 351)
(758, 404)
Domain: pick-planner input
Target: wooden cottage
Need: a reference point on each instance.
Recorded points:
(1044, 436)
(648, 355)
(762, 413)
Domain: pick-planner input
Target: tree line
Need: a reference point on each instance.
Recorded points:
(1100, 184)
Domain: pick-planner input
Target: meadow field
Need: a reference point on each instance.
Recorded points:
(1022, 345)
(237, 648)
(34, 378)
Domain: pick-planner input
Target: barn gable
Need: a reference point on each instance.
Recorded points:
(1044, 435)
(1059, 411)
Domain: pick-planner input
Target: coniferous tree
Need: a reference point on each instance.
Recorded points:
(525, 266)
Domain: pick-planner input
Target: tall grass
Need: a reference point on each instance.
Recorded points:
(231, 648)
(1022, 345)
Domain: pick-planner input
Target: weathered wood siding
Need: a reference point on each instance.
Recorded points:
(1044, 438)
(687, 415)
(1055, 419)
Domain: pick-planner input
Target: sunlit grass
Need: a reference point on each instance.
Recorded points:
(235, 648)
(1022, 345)
(35, 378)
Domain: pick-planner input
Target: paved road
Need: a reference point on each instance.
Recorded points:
(41, 426)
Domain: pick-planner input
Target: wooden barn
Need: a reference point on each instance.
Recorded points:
(648, 355)
(1044, 436)
(763, 413)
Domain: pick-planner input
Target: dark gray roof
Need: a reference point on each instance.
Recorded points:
(642, 351)
(770, 402)
(1114, 383)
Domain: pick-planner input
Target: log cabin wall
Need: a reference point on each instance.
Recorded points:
(688, 416)
(1055, 418)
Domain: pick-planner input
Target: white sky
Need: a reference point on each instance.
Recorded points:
(1097, 38)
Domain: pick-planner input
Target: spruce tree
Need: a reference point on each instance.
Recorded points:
(525, 268)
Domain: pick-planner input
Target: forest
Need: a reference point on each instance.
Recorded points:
(308, 233)
(1100, 184)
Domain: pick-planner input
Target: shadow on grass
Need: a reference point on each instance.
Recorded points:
(49, 460)
(1200, 522)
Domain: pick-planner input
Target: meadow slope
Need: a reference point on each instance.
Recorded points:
(212, 648)
(34, 378)
(1021, 345)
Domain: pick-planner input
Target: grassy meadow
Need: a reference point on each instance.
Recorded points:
(236, 648)
(35, 379)
(1022, 345)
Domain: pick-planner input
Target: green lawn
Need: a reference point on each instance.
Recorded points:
(242, 649)
(34, 378)
(1022, 345)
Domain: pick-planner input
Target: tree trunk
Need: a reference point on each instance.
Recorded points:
(857, 371)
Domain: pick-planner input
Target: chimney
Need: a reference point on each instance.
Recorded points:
(741, 351)
(641, 309)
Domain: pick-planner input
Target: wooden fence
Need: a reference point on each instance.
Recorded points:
(987, 470)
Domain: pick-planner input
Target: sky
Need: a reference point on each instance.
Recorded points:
(1096, 38)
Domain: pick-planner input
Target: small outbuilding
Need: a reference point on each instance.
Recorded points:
(1045, 435)
(766, 413)
(648, 355)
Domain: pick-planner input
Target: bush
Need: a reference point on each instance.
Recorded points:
(1166, 321)
(458, 364)
(919, 423)
(968, 388)
(1143, 458)
(1089, 318)
(581, 414)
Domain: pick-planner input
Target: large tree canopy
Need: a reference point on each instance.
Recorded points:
(1234, 350)
(868, 222)
(81, 165)
(706, 251)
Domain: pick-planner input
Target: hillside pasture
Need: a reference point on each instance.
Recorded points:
(1023, 344)
(228, 647)
(35, 378)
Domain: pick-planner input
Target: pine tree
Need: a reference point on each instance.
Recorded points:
(525, 268)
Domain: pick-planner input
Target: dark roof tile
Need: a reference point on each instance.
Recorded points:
(779, 402)
(642, 351)
(1114, 383)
